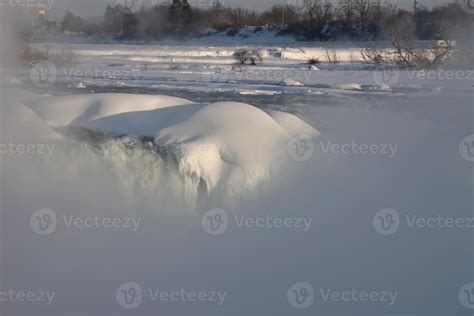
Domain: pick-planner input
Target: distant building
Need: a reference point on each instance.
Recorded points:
(40, 17)
(33, 19)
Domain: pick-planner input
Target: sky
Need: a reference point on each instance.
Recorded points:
(88, 8)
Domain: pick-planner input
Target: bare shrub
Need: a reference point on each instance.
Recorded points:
(175, 67)
(352, 58)
(331, 56)
(375, 56)
(31, 56)
(314, 61)
(244, 55)
(406, 53)
(61, 57)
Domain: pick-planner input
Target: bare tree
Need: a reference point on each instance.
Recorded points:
(406, 52)
(346, 11)
(279, 15)
(319, 12)
(363, 10)
(317, 15)
(331, 56)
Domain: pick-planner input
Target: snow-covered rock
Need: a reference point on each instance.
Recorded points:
(78, 85)
(350, 86)
(291, 83)
(238, 142)
(219, 146)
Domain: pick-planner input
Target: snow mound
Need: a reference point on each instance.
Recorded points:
(350, 87)
(291, 83)
(16, 109)
(239, 143)
(79, 109)
(20, 115)
(292, 124)
(226, 146)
